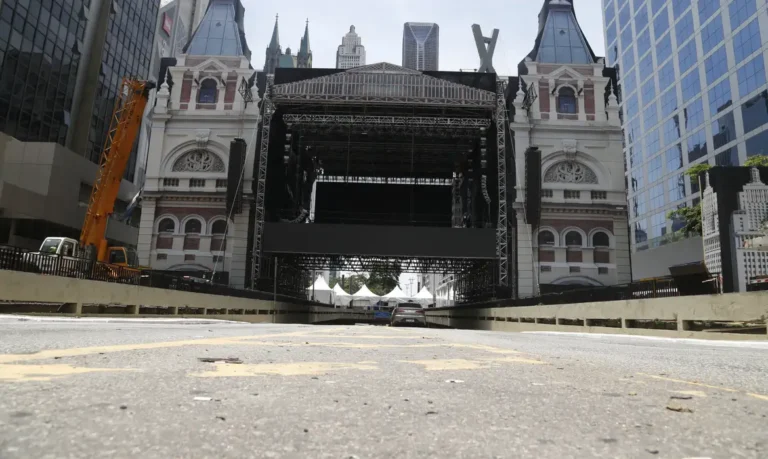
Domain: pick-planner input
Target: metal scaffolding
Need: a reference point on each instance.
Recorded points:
(360, 263)
(382, 84)
(502, 236)
(397, 121)
(268, 109)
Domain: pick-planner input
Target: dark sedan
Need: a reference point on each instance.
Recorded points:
(409, 314)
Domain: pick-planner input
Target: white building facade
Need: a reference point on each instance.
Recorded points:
(351, 52)
(200, 110)
(571, 114)
(749, 231)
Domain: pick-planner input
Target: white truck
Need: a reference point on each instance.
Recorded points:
(57, 255)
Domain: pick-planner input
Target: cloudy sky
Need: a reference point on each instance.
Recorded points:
(380, 24)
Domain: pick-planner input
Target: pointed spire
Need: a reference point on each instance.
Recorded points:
(304, 48)
(275, 42)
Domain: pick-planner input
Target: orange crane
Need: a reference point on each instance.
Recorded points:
(124, 128)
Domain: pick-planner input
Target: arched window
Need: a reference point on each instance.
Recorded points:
(600, 240)
(208, 91)
(166, 225)
(546, 238)
(193, 226)
(573, 239)
(566, 100)
(219, 227)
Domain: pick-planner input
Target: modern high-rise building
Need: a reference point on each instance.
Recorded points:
(421, 46)
(60, 66)
(351, 52)
(693, 90)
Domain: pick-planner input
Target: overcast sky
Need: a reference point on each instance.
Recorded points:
(380, 24)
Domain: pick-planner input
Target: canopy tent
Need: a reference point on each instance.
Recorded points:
(364, 297)
(424, 297)
(364, 292)
(396, 295)
(320, 291)
(341, 298)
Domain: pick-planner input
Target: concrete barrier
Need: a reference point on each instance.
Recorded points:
(733, 316)
(31, 293)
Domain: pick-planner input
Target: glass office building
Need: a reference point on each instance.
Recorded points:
(127, 52)
(39, 59)
(421, 46)
(693, 90)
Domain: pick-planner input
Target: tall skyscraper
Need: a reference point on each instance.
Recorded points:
(421, 46)
(351, 53)
(693, 90)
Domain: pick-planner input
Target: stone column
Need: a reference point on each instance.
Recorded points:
(193, 94)
(146, 230)
(580, 99)
(222, 91)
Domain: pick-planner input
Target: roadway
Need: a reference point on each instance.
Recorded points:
(130, 389)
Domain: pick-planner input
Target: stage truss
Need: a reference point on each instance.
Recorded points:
(415, 122)
(385, 180)
(268, 109)
(357, 263)
(502, 229)
(382, 84)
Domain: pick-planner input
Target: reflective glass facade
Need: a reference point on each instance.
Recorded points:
(39, 58)
(693, 90)
(127, 52)
(421, 46)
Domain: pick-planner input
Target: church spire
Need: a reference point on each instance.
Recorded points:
(305, 52)
(304, 49)
(275, 42)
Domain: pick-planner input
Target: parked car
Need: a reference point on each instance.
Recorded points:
(409, 314)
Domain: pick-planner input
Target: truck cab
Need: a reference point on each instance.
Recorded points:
(62, 246)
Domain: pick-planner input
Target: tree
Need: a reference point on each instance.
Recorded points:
(350, 284)
(757, 161)
(691, 216)
(384, 278)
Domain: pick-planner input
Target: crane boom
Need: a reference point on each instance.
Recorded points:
(123, 130)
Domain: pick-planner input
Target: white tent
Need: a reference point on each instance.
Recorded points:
(321, 291)
(341, 298)
(396, 295)
(364, 297)
(424, 297)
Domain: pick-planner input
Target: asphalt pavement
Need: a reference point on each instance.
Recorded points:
(79, 389)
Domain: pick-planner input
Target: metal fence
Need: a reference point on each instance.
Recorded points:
(18, 259)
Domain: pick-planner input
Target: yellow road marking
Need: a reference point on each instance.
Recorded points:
(448, 364)
(76, 352)
(224, 370)
(692, 383)
(692, 393)
(46, 372)
(463, 364)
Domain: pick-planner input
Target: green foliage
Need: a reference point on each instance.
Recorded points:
(350, 284)
(383, 280)
(694, 171)
(691, 216)
(380, 280)
(757, 161)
